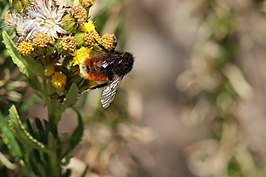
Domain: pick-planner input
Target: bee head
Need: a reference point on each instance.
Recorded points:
(125, 64)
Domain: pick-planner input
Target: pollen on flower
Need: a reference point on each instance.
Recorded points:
(87, 3)
(89, 39)
(59, 80)
(25, 48)
(92, 37)
(41, 40)
(108, 41)
(69, 43)
(79, 13)
(80, 54)
(86, 27)
(49, 70)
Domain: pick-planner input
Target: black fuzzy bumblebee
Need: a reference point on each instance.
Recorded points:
(109, 66)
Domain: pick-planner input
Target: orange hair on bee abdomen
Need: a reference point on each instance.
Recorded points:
(94, 73)
(95, 76)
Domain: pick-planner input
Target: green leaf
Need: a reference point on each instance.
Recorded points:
(20, 131)
(13, 53)
(26, 65)
(76, 136)
(9, 138)
(71, 97)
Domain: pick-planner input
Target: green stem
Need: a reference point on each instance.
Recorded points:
(54, 164)
(54, 114)
(53, 111)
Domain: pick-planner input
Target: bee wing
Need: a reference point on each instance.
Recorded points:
(109, 92)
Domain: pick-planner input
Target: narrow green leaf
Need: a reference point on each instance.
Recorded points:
(26, 65)
(9, 138)
(15, 55)
(20, 131)
(76, 136)
(71, 97)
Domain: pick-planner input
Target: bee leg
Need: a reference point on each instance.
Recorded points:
(95, 87)
(99, 85)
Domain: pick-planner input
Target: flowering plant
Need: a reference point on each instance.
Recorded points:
(48, 40)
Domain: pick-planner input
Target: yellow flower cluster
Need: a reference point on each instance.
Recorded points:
(25, 48)
(69, 43)
(86, 27)
(91, 33)
(49, 70)
(108, 41)
(58, 80)
(41, 40)
(80, 54)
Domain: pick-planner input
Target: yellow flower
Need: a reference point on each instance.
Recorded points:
(49, 70)
(80, 54)
(59, 80)
(87, 27)
(25, 48)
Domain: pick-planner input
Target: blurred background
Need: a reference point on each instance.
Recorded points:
(194, 104)
(200, 82)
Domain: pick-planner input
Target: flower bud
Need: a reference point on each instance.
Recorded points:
(87, 3)
(69, 43)
(109, 41)
(25, 48)
(69, 23)
(79, 14)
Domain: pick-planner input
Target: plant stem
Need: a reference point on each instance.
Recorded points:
(53, 111)
(52, 104)
(54, 163)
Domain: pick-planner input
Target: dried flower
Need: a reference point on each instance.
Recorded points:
(69, 43)
(59, 80)
(41, 40)
(25, 48)
(79, 13)
(43, 16)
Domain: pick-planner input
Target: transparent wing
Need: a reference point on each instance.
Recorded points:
(109, 92)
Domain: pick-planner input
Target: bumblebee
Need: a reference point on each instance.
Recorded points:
(109, 67)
